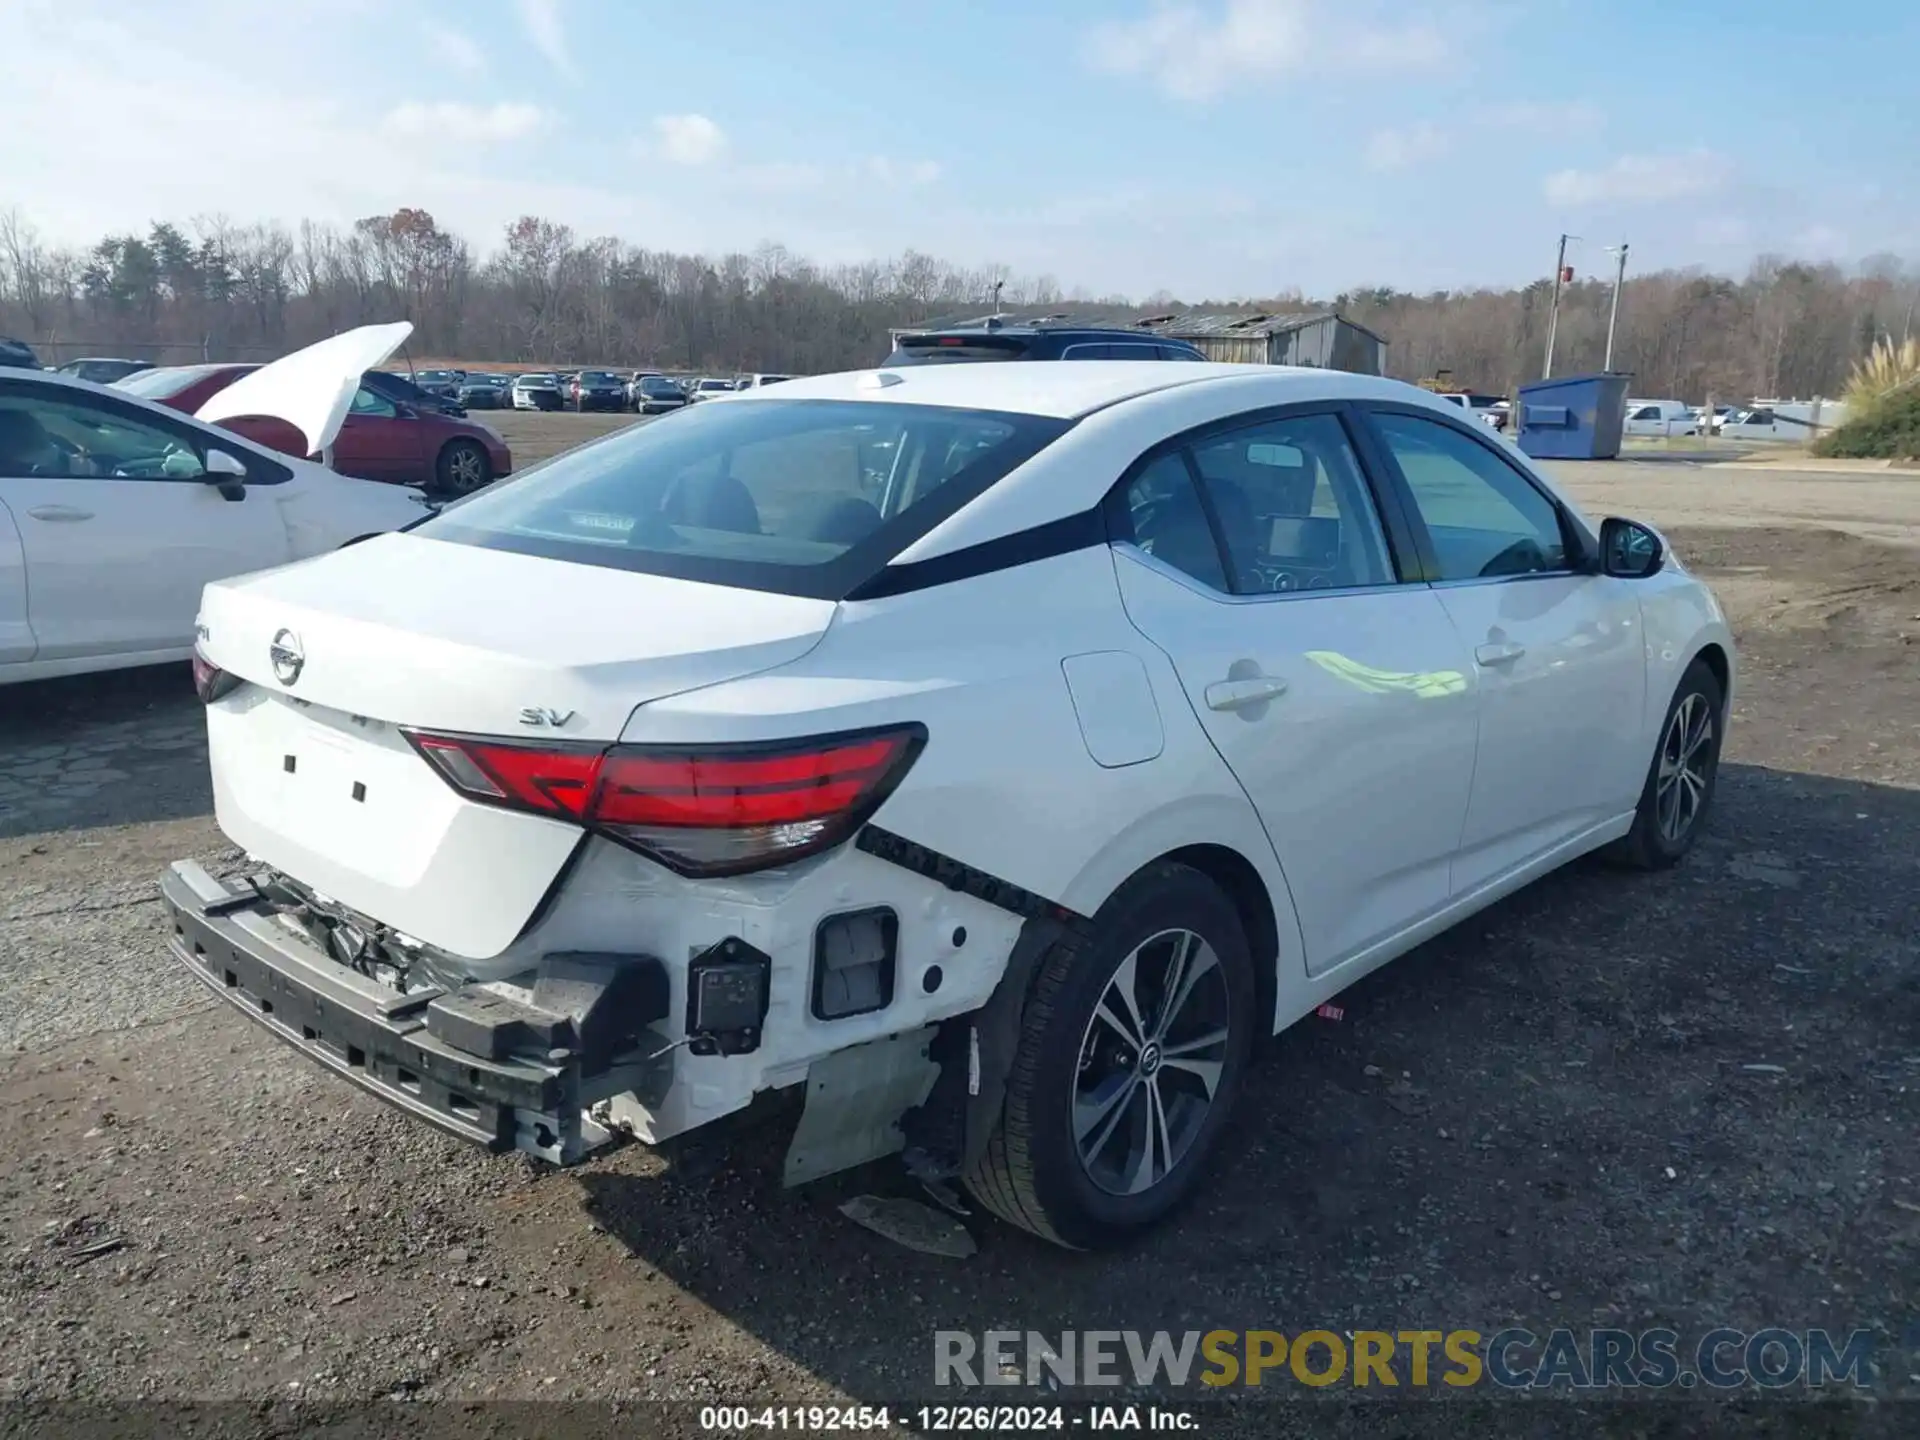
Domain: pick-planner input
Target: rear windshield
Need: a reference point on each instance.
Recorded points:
(165, 382)
(948, 349)
(804, 497)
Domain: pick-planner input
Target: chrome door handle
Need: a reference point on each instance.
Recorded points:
(59, 512)
(1504, 653)
(1238, 694)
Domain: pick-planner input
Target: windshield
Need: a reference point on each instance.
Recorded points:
(716, 384)
(659, 387)
(806, 497)
(598, 377)
(535, 380)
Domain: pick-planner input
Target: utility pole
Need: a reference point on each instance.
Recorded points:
(1553, 315)
(1613, 316)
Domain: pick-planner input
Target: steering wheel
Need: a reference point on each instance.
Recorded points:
(1522, 557)
(74, 461)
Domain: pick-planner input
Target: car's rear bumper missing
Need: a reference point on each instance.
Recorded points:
(367, 1032)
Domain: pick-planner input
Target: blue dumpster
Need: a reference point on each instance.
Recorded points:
(1574, 417)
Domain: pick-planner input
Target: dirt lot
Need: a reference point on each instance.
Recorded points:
(536, 435)
(1550, 1117)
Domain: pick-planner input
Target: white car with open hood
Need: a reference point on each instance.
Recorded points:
(116, 512)
(992, 754)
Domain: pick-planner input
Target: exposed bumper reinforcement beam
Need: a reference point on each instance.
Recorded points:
(366, 1032)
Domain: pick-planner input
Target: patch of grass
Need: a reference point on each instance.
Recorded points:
(1883, 407)
(1887, 430)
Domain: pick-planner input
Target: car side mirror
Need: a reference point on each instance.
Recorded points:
(1629, 550)
(227, 473)
(405, 412)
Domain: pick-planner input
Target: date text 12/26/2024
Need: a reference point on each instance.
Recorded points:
(943, 1419)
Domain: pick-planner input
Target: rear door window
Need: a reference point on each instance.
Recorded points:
(1293, 507)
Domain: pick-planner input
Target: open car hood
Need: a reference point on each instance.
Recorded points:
(310, 389)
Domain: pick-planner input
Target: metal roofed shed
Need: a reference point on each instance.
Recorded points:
(1572, 417)
(1324, 341)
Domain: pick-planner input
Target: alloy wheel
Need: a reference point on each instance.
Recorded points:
(1686, 757)
(466, 469)
(1150, 1062)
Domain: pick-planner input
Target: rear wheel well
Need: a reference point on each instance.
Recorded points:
(1235, 875)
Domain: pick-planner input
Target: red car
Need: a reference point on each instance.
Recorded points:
(381, 439)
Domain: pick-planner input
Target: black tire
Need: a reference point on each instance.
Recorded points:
(1650, 844)
(463, 467)
(1032, 1173)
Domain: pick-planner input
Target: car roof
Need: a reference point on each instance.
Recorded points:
(1064, 391)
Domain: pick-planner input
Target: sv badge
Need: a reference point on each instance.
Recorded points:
(542, 716)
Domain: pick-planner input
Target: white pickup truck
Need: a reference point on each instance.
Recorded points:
(1491, 409)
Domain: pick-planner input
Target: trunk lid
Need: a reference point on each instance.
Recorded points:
(311, 389)
(313, 777)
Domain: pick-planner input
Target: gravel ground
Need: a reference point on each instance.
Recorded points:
(1548, 1117)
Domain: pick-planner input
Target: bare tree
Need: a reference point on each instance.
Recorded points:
(224, 289)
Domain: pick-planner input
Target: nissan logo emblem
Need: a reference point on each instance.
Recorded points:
(287, 656)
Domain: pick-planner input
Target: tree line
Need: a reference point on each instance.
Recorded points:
(219, 290)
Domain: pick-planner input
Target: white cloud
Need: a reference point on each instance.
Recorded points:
(450, 120)
(1640, 180)
(541, 20)
(688, 139)
(1196, 53)
(1407, 146)
(454, 49)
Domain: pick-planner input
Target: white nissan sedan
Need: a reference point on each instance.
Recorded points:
(115, 512)
(992, 753)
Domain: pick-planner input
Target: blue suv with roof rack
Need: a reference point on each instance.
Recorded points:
(1043, 338)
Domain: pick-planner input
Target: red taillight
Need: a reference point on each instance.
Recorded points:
(210, 682)
(555, 782)
(716, 810)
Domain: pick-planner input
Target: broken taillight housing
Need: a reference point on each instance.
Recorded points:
(698, 810)
(210, 682)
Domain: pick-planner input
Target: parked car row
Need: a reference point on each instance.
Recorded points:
(100, 369)
(644, 392)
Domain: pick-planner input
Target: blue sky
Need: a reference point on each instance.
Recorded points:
(1211, 148)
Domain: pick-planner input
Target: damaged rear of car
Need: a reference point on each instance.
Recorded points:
(556, 839)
